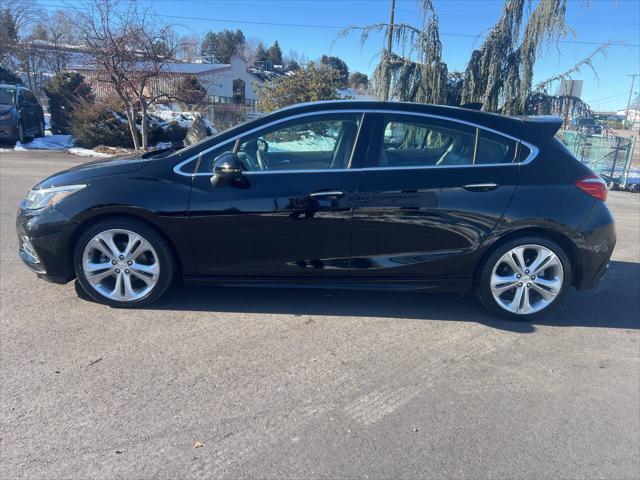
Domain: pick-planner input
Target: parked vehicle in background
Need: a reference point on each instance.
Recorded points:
(334, 194)
(585, 125)
(21, 116)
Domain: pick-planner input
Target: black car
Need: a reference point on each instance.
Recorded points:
(21, 116)
(333, 194)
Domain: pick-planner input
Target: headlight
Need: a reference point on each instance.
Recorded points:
(43, 197)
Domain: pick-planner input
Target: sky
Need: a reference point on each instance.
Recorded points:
(311, 27)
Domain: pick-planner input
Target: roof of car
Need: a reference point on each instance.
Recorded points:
(525, 127)
(12, 85)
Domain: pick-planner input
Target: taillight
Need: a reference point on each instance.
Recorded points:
(594, 186)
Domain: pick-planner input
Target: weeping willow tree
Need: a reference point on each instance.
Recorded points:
(499, 74)
(417, 73)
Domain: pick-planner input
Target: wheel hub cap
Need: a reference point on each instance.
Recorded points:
(121, 265)
(527, 279)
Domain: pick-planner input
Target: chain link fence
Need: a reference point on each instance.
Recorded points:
(608, 156)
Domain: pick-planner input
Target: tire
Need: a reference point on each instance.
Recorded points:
(532, 293)
(122, 279)
(22, 138)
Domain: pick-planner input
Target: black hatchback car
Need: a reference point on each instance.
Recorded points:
(21, 116)
(333, 194)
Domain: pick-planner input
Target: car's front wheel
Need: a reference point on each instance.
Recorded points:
(524, 278)
(123, 262)
(22, 137)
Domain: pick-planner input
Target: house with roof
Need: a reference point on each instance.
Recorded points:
(226, 83)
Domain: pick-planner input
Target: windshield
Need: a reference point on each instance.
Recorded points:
(7, 96)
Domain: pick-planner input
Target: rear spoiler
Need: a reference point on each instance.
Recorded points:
(542, 127)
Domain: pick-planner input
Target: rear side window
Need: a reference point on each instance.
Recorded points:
(494, 148)
(420, 142)
(411, 141)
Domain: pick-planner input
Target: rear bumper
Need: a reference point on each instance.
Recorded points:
(45, 243)
(595, 247)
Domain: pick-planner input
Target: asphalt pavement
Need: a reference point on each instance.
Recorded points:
(229, 382)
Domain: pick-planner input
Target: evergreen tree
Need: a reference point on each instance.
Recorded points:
(339, 65)
(221, 46)
(261, 55)
(274, 54)
(65, 91)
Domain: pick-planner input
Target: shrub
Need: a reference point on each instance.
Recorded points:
(64, 90)
(99, 123)
(310, 84)
(226, 116)
(190, 92)
(7, 76)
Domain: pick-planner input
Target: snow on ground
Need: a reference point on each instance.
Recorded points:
(48, 142)
(184, 119)
(311, 143)
(85, 152)
(56, 142)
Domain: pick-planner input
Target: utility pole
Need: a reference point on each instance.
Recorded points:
(387, 75)
(569, 105)
(633, 79)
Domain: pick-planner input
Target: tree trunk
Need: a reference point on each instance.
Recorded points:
(131, 118)
(145, 124)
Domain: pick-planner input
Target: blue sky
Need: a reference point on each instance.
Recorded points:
(461, 21)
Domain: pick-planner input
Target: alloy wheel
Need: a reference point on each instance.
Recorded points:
(121, 265)
(527, 279)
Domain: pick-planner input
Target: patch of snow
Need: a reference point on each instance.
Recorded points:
(85, 152)
(308, 143)
(48, 142)
(161, 145)
(183, 119)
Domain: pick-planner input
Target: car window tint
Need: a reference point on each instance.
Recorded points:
(418, 142)
(494, 148)
(310, 143)
(29, 97)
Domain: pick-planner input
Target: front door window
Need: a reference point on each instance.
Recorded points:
(324, 142)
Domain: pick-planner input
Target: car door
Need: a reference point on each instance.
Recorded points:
(34, 110)
(290, 214)
(27, 111)
(433, 190)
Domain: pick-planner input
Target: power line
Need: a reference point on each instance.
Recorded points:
(607, 98)
(296, 6)
(333, 27)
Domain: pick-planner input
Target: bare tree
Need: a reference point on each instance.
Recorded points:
(131, 51)
(189, 48)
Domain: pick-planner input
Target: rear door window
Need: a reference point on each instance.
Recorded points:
(412, 141)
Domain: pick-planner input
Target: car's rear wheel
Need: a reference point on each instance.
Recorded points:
(524, 278)
(123, 262)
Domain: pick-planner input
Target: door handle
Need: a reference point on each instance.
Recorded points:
(480, 187)
(327, 195)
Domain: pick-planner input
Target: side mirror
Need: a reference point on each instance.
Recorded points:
(228, 166)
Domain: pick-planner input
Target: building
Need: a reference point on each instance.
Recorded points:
(226, 83)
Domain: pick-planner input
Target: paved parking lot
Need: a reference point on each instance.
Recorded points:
(283, 383)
